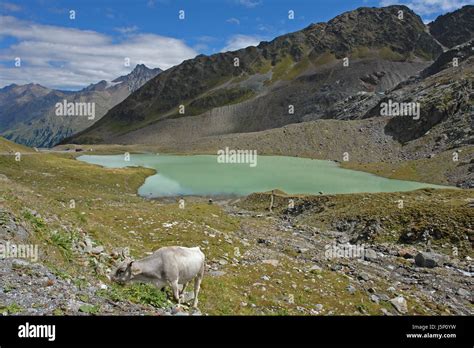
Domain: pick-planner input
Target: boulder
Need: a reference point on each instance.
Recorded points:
(429, 259)
(400, 304)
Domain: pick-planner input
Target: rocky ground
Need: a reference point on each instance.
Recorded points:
(416, 260)
(384, 272)
(33, 288)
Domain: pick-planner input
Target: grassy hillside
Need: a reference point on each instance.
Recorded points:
(255, 264)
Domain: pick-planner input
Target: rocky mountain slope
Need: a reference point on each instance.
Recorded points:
(454, 28)
(27, 113)
(304, 69)
(336, 108)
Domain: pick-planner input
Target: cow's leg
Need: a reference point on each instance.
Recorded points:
(183, 289)
(181, 294)
(175, 288)
(197, 286)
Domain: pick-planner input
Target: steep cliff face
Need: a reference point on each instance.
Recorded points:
(454, 28)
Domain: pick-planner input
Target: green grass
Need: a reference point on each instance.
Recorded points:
(11, 309)
(145, 294)
(429, 170)
(108, 210)
(444, 212)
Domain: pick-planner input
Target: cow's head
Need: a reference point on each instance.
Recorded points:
(125, 272)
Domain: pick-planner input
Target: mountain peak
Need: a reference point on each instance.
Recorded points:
(138, 76)
(454, 28)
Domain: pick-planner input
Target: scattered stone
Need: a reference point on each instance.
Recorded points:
(216, 273)
(364, 276)
(429, 259)
(272, 262)
(370, 255)
(315, 268)
(319, 307)
(400, 304)
(407, 253)
(188, 296)
(374, 298)
(351, 289)
(463, 292)
(97, 250)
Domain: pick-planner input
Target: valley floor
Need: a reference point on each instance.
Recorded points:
(85, 218)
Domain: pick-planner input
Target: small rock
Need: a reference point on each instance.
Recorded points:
(407, 253)
(400, 304)
(319, 307)
(463, 292)
(374, 298)
(97, 250)
(364, 276)
(429, 259)
(188, 296)
(351, 289)
(370, 255)
(274, 263)
(216, 273)
(315, 268)
(177, 310)
(265, 277)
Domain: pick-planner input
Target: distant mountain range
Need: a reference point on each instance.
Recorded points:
(28, 112)
(317, 93)
(304, 69)
(280, 96)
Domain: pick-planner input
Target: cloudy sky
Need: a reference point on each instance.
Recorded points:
(59, 51)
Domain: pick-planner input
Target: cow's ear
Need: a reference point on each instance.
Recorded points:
(134, 269)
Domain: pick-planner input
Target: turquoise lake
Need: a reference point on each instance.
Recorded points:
(202, 175)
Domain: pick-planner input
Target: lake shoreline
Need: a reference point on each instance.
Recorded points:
(203, 176)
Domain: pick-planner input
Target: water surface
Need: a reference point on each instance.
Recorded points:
(203, 175)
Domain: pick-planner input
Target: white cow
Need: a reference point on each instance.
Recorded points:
(171, 266)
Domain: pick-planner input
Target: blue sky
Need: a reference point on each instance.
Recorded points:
(60, 52)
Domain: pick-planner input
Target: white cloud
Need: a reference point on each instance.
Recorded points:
(59, 57)
(127, 30)
(427, 7)
(233, 21)
(10, 7)
(249, 3)
(237, 42)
